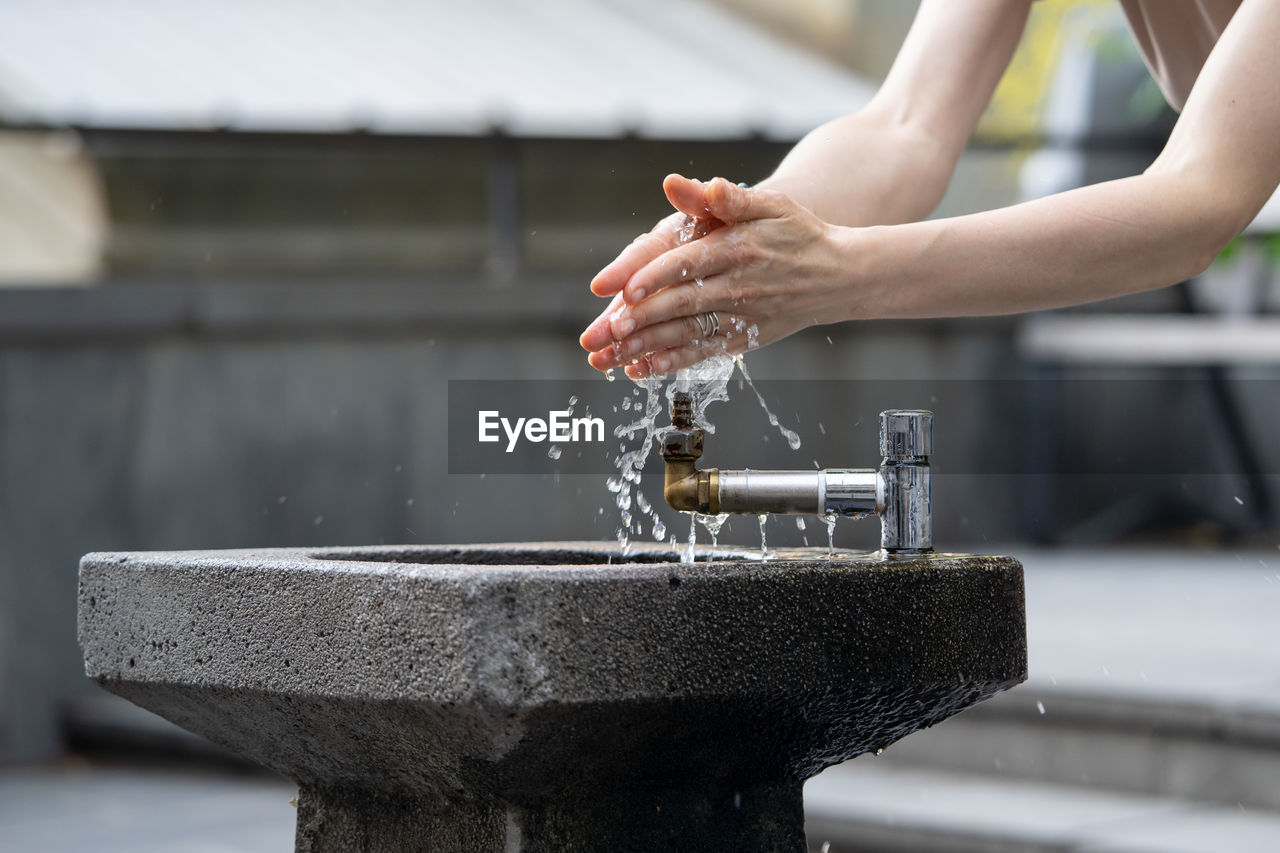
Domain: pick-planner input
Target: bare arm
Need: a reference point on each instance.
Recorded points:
(891, 162)
(1221, 164)
(779, 268)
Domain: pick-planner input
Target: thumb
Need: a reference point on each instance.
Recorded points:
(729, 202)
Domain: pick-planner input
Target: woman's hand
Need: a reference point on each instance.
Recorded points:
(763, 265)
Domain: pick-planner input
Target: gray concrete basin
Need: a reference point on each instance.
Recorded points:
(550, 696)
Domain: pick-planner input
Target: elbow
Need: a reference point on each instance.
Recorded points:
(1207, 243)
(1216, 211)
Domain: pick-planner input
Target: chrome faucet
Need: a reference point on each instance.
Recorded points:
(899, 491)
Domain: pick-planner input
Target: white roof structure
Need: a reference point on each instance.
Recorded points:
(670, 69)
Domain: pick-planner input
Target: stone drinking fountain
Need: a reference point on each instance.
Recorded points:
(564, 696)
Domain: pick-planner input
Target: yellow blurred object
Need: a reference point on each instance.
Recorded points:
(1016, 108)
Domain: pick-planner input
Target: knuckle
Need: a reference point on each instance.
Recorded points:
(683, 301)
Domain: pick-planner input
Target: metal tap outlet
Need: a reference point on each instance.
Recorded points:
(899, 491)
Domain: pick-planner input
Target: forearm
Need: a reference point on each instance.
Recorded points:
(865, 169)
(1093, 243)
(1219, 167)
(892, 161)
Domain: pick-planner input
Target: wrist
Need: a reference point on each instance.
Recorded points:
(866, 256)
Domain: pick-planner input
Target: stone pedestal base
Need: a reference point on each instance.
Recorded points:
(763, 817)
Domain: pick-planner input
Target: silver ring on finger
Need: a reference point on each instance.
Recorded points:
(708, 323)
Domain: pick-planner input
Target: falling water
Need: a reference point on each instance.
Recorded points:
(793, 439)
(712, 523)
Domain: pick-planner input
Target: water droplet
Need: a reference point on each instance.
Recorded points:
(554, 452)
(830, 520)
(1040, 707)
(799, 522)
(608, 375)
(317, 521)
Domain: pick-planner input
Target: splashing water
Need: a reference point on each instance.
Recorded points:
(792, 437)
(712, 523)
(706, 382)
(764, 540)
(630, 463)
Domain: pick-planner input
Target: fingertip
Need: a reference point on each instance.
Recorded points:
(608, 281)
(687, 195)
(675, 178)
(595, 337)
(603, 285)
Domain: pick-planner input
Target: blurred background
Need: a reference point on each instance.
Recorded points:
(245, 246)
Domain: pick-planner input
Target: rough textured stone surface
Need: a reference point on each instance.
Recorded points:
(535, 697)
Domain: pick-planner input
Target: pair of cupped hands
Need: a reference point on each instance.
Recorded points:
(765, 264)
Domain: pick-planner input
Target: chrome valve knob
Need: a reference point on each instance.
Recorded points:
(906, 434)
(906, 440)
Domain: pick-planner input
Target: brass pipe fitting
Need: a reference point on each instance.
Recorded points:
(685, 488)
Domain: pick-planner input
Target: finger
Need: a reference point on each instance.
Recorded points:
(641, 251)
(680, 300)
(677, 358)
(599, 334)
(729, 202)
(695, 262)
(687, 195)
(672, 333)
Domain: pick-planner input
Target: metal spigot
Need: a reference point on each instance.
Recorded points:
(899, 491)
